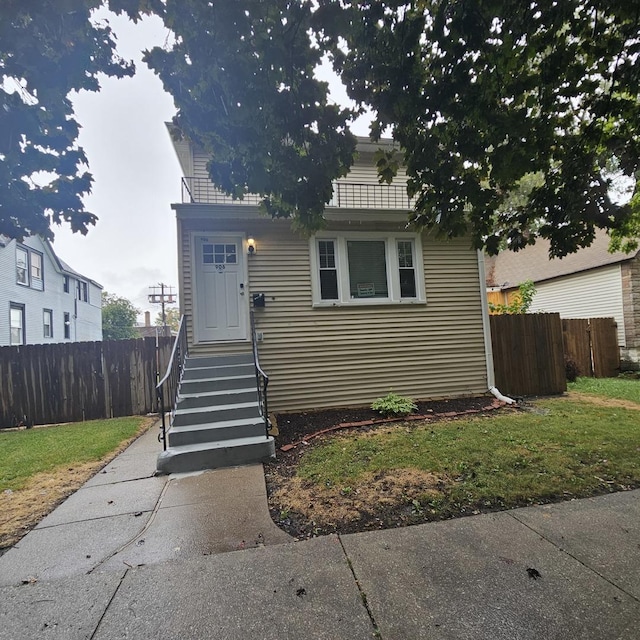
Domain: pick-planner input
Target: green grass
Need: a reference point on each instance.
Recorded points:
(618, 388)
(26, 453)
(505, 459)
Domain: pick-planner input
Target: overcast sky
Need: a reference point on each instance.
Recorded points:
(136, 176)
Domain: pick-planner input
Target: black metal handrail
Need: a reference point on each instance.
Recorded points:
(171, 380)
(262, 379)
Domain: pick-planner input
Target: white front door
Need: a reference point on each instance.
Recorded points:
(221, 303)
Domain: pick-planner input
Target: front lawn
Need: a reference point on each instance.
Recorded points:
(40, 467)
(415, 472)
(26, 453)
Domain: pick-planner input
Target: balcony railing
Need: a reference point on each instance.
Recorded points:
(347, 195)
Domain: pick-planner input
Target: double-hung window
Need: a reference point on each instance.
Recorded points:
(83, 291)
(29, 268)
(367, 268)
(16, 318)
(47, 323)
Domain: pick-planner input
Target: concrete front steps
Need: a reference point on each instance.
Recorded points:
(216, 421)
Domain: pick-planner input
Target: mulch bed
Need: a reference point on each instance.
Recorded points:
(296, 427)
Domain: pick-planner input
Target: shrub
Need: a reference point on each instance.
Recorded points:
(571, 369)
(394, 405)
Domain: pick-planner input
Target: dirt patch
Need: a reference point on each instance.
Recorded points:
(367, 502)
(376, 501)
(601, 401)
(23, 509)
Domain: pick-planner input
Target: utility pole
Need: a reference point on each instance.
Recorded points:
(162, 294)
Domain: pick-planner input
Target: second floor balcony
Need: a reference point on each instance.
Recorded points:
(346, 195)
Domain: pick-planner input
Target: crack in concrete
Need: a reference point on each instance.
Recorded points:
(363, 595)
(149, 522)
(586, 566)
(104, 613)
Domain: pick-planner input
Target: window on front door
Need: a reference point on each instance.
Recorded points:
(219, 254)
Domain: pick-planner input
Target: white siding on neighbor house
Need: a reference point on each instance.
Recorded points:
(338, 356)
(591, 294)
(85, 317)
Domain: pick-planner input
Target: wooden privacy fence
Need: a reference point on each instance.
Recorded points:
(529, 351)
(528, 355)
(45, 384)
(593, 345)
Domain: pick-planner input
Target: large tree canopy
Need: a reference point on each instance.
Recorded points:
(480, 94)
(242, 77)
(48, 49)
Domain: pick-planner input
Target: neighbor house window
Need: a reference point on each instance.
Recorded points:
(83, 291)
(36, 267)
(22, 266)
(67, 326)
(367, 268)
(29, 268)
(16, 312)
(47, 323)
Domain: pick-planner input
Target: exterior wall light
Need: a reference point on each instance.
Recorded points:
(251, 246)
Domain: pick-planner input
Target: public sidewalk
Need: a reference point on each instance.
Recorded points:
(131, 555)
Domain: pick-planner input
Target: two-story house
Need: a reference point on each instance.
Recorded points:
(340, 317)
(42, 299)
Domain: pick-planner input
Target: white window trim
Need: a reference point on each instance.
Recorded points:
(342, 266)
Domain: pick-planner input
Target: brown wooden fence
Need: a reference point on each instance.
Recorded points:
(528, 355)
(44, 384)
(529, 351)
(593, 345)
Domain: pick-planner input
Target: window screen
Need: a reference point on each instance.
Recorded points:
(328, 270)
(367, 269)
(407, 269)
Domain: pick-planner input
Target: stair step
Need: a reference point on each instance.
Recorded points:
(218, 384)
(216, 398)
(216, 431)
(223, 371)
(229, 453)
(218, 361)
(203, 415)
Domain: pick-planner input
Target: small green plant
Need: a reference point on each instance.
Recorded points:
(394, 405)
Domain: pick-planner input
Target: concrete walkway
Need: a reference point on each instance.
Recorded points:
(131, 555)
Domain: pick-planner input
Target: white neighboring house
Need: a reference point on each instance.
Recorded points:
(42, 299)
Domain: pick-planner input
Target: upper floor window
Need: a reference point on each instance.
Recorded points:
(66, 284)
(367, 268)
(83, 291)
(29, 270)
(22, 266)
(36, 268)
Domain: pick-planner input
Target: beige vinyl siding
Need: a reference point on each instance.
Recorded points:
(596, 293)
(339, 356)
(363, 170)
